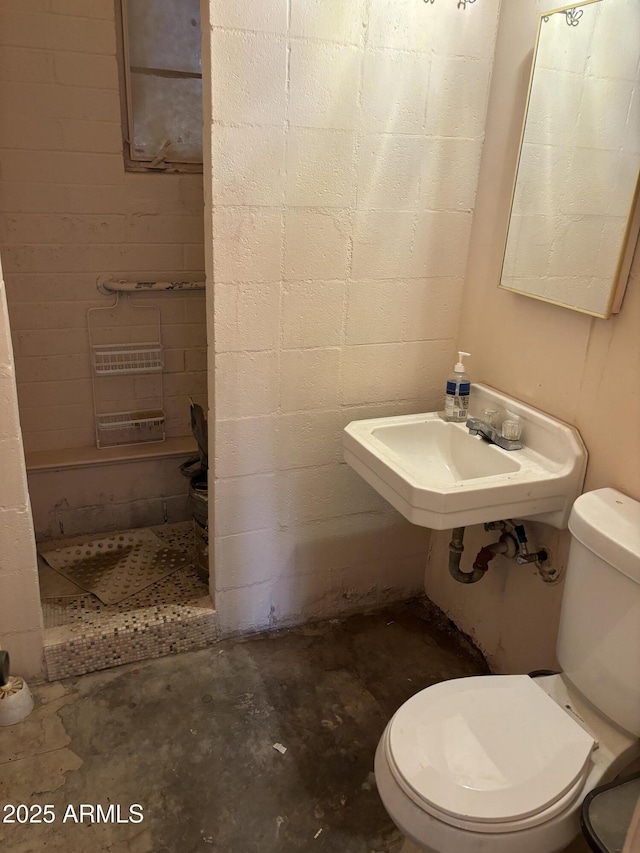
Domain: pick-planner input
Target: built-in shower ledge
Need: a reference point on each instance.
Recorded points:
(89, 457)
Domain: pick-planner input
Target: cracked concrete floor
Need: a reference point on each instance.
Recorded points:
(190, 738)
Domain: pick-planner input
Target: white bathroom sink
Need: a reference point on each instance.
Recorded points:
(439, 476)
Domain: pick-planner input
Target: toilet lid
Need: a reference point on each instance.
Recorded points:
(488, 748)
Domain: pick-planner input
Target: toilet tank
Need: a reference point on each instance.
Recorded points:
(599, 640)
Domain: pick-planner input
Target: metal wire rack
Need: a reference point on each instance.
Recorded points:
(139, 399)
(113, 359)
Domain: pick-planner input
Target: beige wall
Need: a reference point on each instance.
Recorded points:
(70, 213)
(345, 146)
(582, 370)
(20, 613)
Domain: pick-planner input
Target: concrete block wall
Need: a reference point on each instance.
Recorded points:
(21, 630)
(69, 213)
(96, 498)
(345, 142)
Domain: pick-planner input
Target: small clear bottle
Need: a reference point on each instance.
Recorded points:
(456, 401)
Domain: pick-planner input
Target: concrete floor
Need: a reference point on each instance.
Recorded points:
(190, 738)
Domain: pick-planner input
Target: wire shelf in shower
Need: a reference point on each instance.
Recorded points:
(115, 359)
(116, 428)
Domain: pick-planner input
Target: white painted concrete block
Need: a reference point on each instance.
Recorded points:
(309, 379)
(248, 165)
(346, 541)
(10, 437)
(449, 174)
(432, 309)
(26, 651)
(440, 245)
(305, 439)
(457, 99)
(320, 167)
(303, 597)
(420, 368)
(398, 24)
(324, 85)
(247, 316)
(450, 30)
(376, 311)
(246, 503)
(394, 91)
(247, 244)
(20, 608)
(402, 371)
(268, 16)
(18, 544)
(316, 243)
(389, 171)
(370, 373)
(314, 494)
(312, 313)
(246, 384)
(382, 244)
(244, 609)
(329, 20)
(245, 446)
(249, 558)
(240, 59)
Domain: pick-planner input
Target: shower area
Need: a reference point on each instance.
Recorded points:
(103, 259)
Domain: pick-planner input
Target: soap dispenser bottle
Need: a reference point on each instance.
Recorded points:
(456, 401)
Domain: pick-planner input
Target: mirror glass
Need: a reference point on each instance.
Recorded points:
(573, 222)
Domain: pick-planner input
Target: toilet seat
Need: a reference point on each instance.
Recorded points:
(488, 753)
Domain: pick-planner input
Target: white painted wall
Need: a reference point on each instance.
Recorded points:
(21, 631)
(574, 367)
(345, 145)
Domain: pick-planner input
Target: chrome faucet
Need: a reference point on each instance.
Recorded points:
(492, 434)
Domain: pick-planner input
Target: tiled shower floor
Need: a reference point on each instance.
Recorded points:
(173, 615)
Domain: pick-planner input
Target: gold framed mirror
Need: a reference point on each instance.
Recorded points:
(575, 214)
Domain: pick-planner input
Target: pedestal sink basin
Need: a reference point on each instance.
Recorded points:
(439, 476)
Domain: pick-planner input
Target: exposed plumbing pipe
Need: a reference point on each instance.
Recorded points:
(455, 553)
(108, 285)
(506, 545)
(512, 543)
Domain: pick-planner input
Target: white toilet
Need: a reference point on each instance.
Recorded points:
(501, 764)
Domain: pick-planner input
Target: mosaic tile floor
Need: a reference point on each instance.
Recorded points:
(173, 615)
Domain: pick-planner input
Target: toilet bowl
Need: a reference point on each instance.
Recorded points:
(537, 778)
(501, 764)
